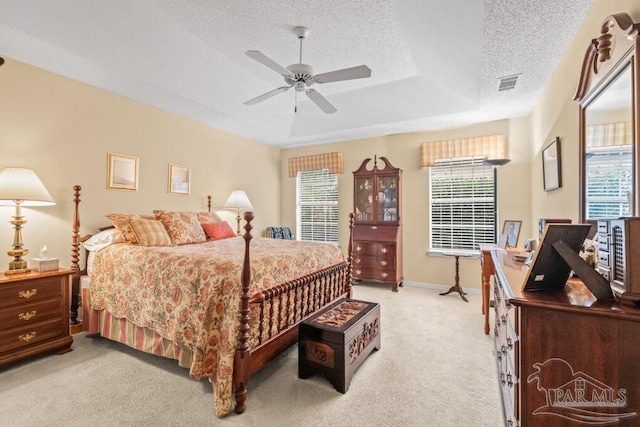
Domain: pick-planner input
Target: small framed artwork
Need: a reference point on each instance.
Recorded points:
(551, 166)
(122, 172)
(179, 179)
(511, 229)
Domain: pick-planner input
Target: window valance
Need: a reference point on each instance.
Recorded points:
(490, 146)
(332, 161)
(609, 135)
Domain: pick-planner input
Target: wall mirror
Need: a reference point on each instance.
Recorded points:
(608, 96)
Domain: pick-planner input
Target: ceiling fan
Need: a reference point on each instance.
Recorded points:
(301, 76)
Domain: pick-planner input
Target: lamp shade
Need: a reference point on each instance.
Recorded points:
(23, 184)
(238, 199)
(495, 163)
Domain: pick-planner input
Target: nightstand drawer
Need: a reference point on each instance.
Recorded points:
(29, 291)
(26, 314)
(23, 336)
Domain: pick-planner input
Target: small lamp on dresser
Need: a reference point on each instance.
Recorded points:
(238, 201)
(21, 187)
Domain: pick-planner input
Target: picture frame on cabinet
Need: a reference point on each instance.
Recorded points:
(179, 179)
(511, 229)
(122, 172)
(551, 166)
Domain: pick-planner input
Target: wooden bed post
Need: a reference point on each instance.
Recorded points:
(348, 288)
(242, 360)
(75, 262)
(209, 203)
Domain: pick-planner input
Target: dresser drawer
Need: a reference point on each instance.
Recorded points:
(24, 314)
(373, 261)
(12, 339)
(33, 290)
(603, 259)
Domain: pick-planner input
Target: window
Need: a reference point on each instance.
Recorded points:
(317, 206)
(609, 175)
(463, 204)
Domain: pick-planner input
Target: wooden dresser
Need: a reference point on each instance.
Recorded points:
(34, 314)
(563, 358)
(377, 230)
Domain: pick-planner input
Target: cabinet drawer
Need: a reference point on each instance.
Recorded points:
(23, 336)
(375, 274)
(33, 290)
(603, 227)
(25, 314)
(603, 259)
(603, 242)
(376, 249)
(373, 261)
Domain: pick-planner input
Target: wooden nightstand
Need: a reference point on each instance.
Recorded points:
(34, 314)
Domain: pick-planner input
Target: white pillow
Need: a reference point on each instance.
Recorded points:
(90, 258)
(103, 239)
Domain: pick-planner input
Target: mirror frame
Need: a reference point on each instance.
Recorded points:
(605, 59)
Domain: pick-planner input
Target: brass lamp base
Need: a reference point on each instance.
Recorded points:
(18, 265)
(238, 218)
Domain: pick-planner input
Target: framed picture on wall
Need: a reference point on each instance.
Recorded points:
(122, 172)
(551, 166)
(179, 179)
(511, 229)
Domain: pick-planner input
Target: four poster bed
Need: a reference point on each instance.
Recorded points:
(222, 307)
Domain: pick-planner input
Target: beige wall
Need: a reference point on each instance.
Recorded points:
(64, 129)
(556, 114)
(403, 151)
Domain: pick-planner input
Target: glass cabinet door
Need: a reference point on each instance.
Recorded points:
(364, 199)
(388, 198)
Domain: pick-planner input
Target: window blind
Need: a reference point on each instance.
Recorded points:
(463, 204)
(608, 182)
(317, 206)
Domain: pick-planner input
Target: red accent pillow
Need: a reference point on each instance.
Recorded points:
(218, 230)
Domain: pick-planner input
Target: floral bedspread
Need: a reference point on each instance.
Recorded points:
(190, 294)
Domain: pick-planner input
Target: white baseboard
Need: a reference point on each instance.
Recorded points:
(438, 287)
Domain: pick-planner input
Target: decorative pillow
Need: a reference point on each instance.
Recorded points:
(103, 239)
(208, 217)
(122, 222)
(150, 232)
(218, 230)
(182, 227)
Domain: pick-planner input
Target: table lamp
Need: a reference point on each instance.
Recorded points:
(21, 187)
(238, 201)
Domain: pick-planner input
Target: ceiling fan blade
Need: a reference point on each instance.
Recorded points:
(264, 60)
(267, 95)
(321, 101)
(359, 72)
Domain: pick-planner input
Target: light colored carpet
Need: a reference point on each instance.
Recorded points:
(435, 368)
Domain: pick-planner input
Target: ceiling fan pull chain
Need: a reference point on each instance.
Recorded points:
(295, 107)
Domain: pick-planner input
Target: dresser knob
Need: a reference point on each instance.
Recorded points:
(384, 275)
(358, 248)
(357, 260)
(384, 250)
(28, 293)
(27, 337)
(358, 272)
(383, 262)
(26, 316)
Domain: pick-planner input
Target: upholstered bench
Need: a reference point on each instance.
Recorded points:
(335, 341)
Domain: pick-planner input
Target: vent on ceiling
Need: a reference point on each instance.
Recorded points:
(507, 83)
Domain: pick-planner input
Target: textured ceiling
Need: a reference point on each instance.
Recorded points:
(434, 63)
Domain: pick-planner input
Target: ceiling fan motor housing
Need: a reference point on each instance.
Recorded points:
(303, 75)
